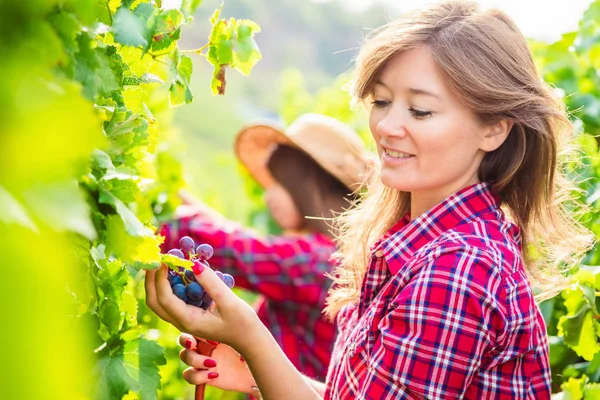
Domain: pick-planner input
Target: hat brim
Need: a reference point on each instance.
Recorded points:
(253, 147)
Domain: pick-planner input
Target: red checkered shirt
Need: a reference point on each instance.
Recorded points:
(288, 271)
(445, 312)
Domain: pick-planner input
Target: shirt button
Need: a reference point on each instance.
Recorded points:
(379, 253)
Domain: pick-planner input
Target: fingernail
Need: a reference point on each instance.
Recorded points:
(209, 363)
(213, 375)
(188, 344)
(197, 268)
(212, 342)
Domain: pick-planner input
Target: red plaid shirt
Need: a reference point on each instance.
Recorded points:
(446, 312)
(289, 273)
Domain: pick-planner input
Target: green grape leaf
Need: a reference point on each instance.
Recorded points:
(92, 69)
(121, 123)
(61, 206)
(125, 190)
(139, 251)
(247, 53)
(101, 161)
(103, 12)
(67, 27)
(129, 305)
(128, 29)
(591, 391)
(224, 50)
(143, 358)
(167, 29)
(594, 364)
(113, 379)
(573, 389)
(112, 280)
(147, 13)
(215, 17)
(173, 261)
(180, 92)
(558, 350)
(133, 226)
(580, 332)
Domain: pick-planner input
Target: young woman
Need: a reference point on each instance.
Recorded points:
(433, 295)
(309, 169)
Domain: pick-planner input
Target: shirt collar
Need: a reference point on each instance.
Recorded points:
(406, 237)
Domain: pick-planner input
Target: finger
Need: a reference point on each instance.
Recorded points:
(184, 338)
(196, 377)
(222, 296)
(152, 301)
(198, 361)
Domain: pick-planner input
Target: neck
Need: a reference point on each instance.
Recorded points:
(423, 201)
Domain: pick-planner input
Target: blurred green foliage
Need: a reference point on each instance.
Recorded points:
(83, 182)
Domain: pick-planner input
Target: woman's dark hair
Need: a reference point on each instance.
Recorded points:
(316, 193)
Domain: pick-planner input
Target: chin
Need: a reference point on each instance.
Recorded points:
(395, 182)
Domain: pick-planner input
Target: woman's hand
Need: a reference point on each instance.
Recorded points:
(222, 367)
(228, 320)
(231, 321)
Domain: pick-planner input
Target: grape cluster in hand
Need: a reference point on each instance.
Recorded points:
(183, 282)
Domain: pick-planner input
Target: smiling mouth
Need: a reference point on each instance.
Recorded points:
(396, 154)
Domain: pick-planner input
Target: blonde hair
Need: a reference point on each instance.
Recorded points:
(487, 64)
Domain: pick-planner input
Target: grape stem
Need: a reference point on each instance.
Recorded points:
(197, 51)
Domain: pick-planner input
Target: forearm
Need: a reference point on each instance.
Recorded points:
(317, 386)
(275, 375)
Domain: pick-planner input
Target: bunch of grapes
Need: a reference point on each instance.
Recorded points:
(183, 282)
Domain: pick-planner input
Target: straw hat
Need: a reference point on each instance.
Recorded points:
(333, 145)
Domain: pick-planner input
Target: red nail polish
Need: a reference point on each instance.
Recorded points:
(213, 375)
(198, 268)
(212, 342)
(188, 344)
(242, 359)
(209, 363)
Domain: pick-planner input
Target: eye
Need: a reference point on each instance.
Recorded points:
(419, 114)
(380, 103)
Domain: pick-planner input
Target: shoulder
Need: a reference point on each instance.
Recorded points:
(489, 241)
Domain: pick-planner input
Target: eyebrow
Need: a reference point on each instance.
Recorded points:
(413, 91)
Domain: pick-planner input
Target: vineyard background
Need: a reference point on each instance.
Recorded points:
(92, 153)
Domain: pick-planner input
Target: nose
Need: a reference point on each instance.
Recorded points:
(392, 125)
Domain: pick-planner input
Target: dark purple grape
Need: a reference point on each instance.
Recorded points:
(186, 244)
(196, 303)
(176, 253)
(175, 280)
(206, 300)
(190, 275)
(205, 251)
(180, 291)
(229, 281)
(194, 291)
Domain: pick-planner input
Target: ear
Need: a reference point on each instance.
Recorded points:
(495, 135)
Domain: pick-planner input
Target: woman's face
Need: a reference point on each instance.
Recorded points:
(282, 207)
(428, 142)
